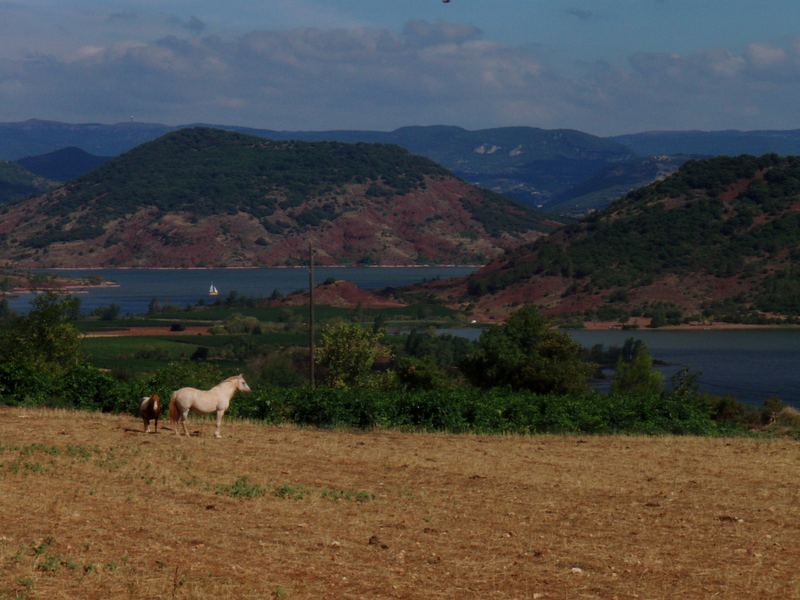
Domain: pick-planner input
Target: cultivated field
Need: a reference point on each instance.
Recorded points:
(92, 508)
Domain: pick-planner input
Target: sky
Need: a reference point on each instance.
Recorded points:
(601, 66)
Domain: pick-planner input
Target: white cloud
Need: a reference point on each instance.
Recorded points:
(763, 55)
(370, 78)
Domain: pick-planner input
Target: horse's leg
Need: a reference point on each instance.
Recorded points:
(184, 417)
(179, 422)
(219, 423)
(156, 423)
(146, 424)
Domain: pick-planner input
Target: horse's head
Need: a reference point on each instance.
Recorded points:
(241, 384)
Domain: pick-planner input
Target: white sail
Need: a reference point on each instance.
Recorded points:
(213, 291)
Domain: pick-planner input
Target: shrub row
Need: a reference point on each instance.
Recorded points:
(478, 411)
(453, 410)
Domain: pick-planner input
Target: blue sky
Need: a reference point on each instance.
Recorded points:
(605, 66)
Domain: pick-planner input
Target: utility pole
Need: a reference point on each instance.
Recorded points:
(311, 314)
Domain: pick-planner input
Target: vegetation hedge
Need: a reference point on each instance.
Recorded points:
(458, 410)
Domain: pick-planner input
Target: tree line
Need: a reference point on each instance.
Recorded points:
(523, 376)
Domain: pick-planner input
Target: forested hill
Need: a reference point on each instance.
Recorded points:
(17, 182)
(207, 197)
(719, 239)
(63, 164)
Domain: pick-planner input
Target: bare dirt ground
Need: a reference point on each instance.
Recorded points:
(92, 508)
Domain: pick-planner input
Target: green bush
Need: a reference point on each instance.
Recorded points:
(528, 353)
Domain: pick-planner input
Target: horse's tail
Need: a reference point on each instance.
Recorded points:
(173, 408)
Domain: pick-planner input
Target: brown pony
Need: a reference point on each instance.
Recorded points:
(150, 408)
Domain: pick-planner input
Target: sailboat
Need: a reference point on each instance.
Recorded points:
(213, 291)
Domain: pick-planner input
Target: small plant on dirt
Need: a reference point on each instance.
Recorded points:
(290, 492)
(80, 452)
(51, 450)
(279, 593)
(111, 461)
(347, 495)
(34, 467)
(49, 563)
(241, 488)
(39, 549)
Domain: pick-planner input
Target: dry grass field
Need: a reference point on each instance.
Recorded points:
(92, 508)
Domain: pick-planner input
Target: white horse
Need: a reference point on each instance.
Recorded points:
(205, 402)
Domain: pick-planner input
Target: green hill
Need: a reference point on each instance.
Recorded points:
(720, 238)
(260, 200)
(208, 171)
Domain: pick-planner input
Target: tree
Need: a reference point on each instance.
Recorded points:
(634, 373)
(379, 323)
(528, 353)
(153, 307)
(420, 374)
(5, 309)
(348, 352)
(107, 313)
(46, 338)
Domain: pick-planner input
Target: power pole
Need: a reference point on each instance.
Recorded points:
(311, 314)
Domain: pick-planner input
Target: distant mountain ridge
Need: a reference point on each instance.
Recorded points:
(529, 164)
(564, 171)
(205, 197)
(713, 143)
(63, 165)
(35, 136)
(720, 239)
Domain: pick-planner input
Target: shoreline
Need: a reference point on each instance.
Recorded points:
(426, 266)
(716, 326)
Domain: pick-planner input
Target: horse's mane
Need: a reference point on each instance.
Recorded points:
(231, 378)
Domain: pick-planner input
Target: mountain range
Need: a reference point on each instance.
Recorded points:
(562, 171)
(206, 197)
(713, 143)
(534, 166)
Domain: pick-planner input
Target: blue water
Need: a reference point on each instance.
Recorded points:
(751, 365)
(181, 287)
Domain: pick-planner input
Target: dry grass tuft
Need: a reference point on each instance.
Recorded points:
(92, 508)
(788, 417)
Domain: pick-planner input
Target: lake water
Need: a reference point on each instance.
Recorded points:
(137, 287)
(751, 365)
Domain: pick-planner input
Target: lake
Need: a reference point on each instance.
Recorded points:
(751, 364)
(748, 364)
(137, 287)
